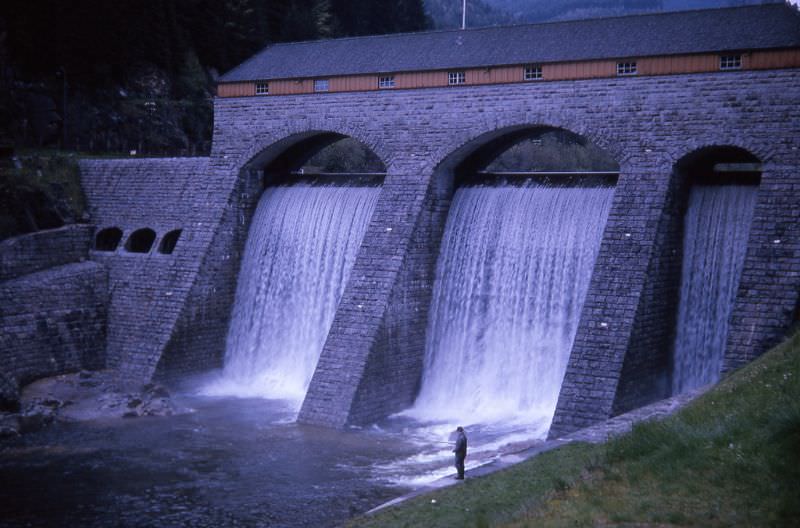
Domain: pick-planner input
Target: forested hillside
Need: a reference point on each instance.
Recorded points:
(118, 76)
(447, 13)
(123, 75)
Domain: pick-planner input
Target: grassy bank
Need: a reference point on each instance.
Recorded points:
(731, 458)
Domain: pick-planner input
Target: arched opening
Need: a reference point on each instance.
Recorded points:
(319, 193)
(141, 240)
(170, 240)
(528, 210)
(722, 187)
(322, 158)
(108, 239)
(552, 155)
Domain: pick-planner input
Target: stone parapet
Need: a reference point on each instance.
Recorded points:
(44, 249)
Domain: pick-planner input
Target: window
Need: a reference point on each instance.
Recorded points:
(458, 77)
(386, 81)
(262, 88)
(108, 239)
(730, 62)
(141, 241)
(169, 242)
(533, 72)
(320, 85)
(626, 68)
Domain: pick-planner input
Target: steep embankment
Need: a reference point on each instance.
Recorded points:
(730, 458)
(42, 191)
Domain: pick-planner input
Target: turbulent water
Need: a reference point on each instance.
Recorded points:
(717, 224)
(512, 274)
(301, 247)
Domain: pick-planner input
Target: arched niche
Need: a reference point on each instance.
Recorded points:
(141, 241)
(107, 239)
(169, 241)
(719, 191)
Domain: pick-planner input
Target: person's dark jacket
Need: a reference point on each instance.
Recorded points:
(461, 445)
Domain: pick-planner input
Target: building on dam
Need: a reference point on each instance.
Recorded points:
(434, 277)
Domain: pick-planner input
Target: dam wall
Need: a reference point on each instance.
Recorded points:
(165, 299)
(169, 313)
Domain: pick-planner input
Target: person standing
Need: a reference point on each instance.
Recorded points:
(460, 451)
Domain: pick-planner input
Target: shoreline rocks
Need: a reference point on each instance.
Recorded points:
(82, 396)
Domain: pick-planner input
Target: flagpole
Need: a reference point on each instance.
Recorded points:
(464, 14)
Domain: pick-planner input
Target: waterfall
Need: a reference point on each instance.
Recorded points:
(717, 225)
(299, 252)
(511, 278)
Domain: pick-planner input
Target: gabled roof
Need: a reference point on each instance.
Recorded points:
(768, 26)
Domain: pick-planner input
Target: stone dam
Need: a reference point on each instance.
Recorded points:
(566, 298)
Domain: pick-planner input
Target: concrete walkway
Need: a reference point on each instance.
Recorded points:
(595, 434)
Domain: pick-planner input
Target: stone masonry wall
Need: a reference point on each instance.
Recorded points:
(397, 340)
(645, 371)
(768, 289)
(53, 321)
(53, 307)
(615, 293)
(149, 291)
(44, 249)
(771, 134)
(371, 360)
(400, 348)
(198, 340)
(646, 123)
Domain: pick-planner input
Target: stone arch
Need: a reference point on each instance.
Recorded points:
(468, 143)
(108, 239)
(266, 147)
(141, 240)
(692, 148)
(729, 152)
(463, 142)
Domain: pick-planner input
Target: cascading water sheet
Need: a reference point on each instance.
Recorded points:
(299, 252)
(717, 225)
(511, 278)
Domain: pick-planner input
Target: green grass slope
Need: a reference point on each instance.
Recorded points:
(731, 458)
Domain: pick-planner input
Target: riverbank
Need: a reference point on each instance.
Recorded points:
(81, 397)
(729, 458)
